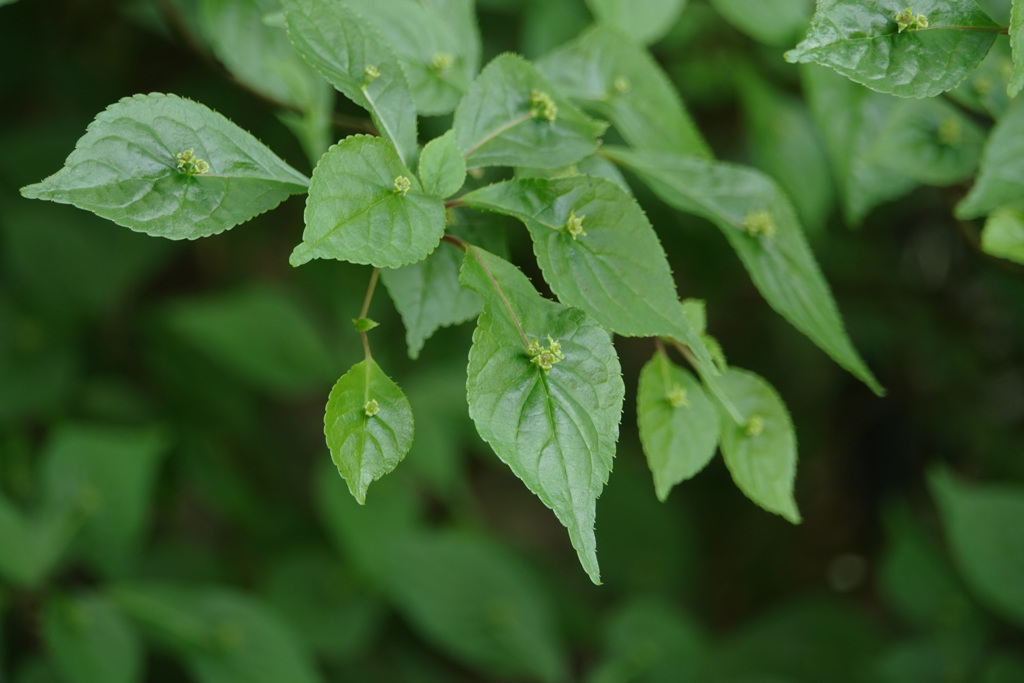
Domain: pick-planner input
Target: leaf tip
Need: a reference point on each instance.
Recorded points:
(301, 255)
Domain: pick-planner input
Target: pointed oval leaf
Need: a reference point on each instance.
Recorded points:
(437, 42)
(368, 424)
(132, 167)
(762, 227)
(1001, 176)
(642, 20)
(985, 528)
(357, 60)
(760, 447)
(442, 168)
(512, 116)
(91, 641)
(863, 40)
(596, 249)
(678, 423)
(1003, 235)
(366, 206)
(849, 117)
(556, 430)
(607, 72)
(1017, 45)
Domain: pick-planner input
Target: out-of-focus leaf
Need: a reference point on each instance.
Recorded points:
(773, 22)
(114, 469)
(849, 116)
(513, 116)
(985, 528)
(474, 599)
(984, 89)
(678, 423)
(550, 411)
(647, 642)
(925, 660)
(366, 206)
(222, 636)
(642, 20)
(893, 48)
(170, 167)
(35, 542)
(91, 641)
(1001, 177)
(1003, 235)
(1017, 44)
(368, 425)
(605, 71)
(258, 333)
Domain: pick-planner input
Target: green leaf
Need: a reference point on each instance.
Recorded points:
(221, 636)
(512, 116)
(366, 206)
(849, 117)
(596, 249)
(475, 600)
(984, 90)
(442, 168)
(556, 430)
(368, 425)
(930, 141)
(759, 443)
(257, 333)
(773, 22)
(787, 147)
(1017, 45)
(862, 40)
(619, 80)
(131, 167)
(114, 470)
(593, 165)
(437, 42)
(1001, 177)
(760, 224)
(642, 20)
(1003, 235)
(41, 539)
(678, 423)
(984, 526)
(354, 57)
(90, 641)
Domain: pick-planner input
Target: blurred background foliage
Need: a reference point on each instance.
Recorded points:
(169, 511)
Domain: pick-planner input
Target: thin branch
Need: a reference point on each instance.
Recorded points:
(722, 398)
(366, 309)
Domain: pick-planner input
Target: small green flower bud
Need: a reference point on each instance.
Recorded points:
(442, 61)
(622, 85)
(370, 74)
(402, 185)
(677, 396)
(950, 133)
(908, 20)
(759, 223)
(755, 426)
(371, 407)
(574, 226)
(545, 357)
(190, 164)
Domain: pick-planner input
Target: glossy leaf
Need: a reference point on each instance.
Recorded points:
(849, 116)
(773, 22)
(984, 526)
(930, 141)
(90, 640)
(1017, 44)
(512, 116)
(437, 42)
(1003, 235)
(619, 80)
(642, 20)
(366, 206)
(477, 601)
(442, 168)
(1001, 177)
(556, 430)
(359, 62)
(862, 40)
(614, 269)
(257, 333)
(740, 200)
(759, 447)
(221, 636)
(678, 423)
(112, 471)
(786, 145)
(131, 167)
(368, 425)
